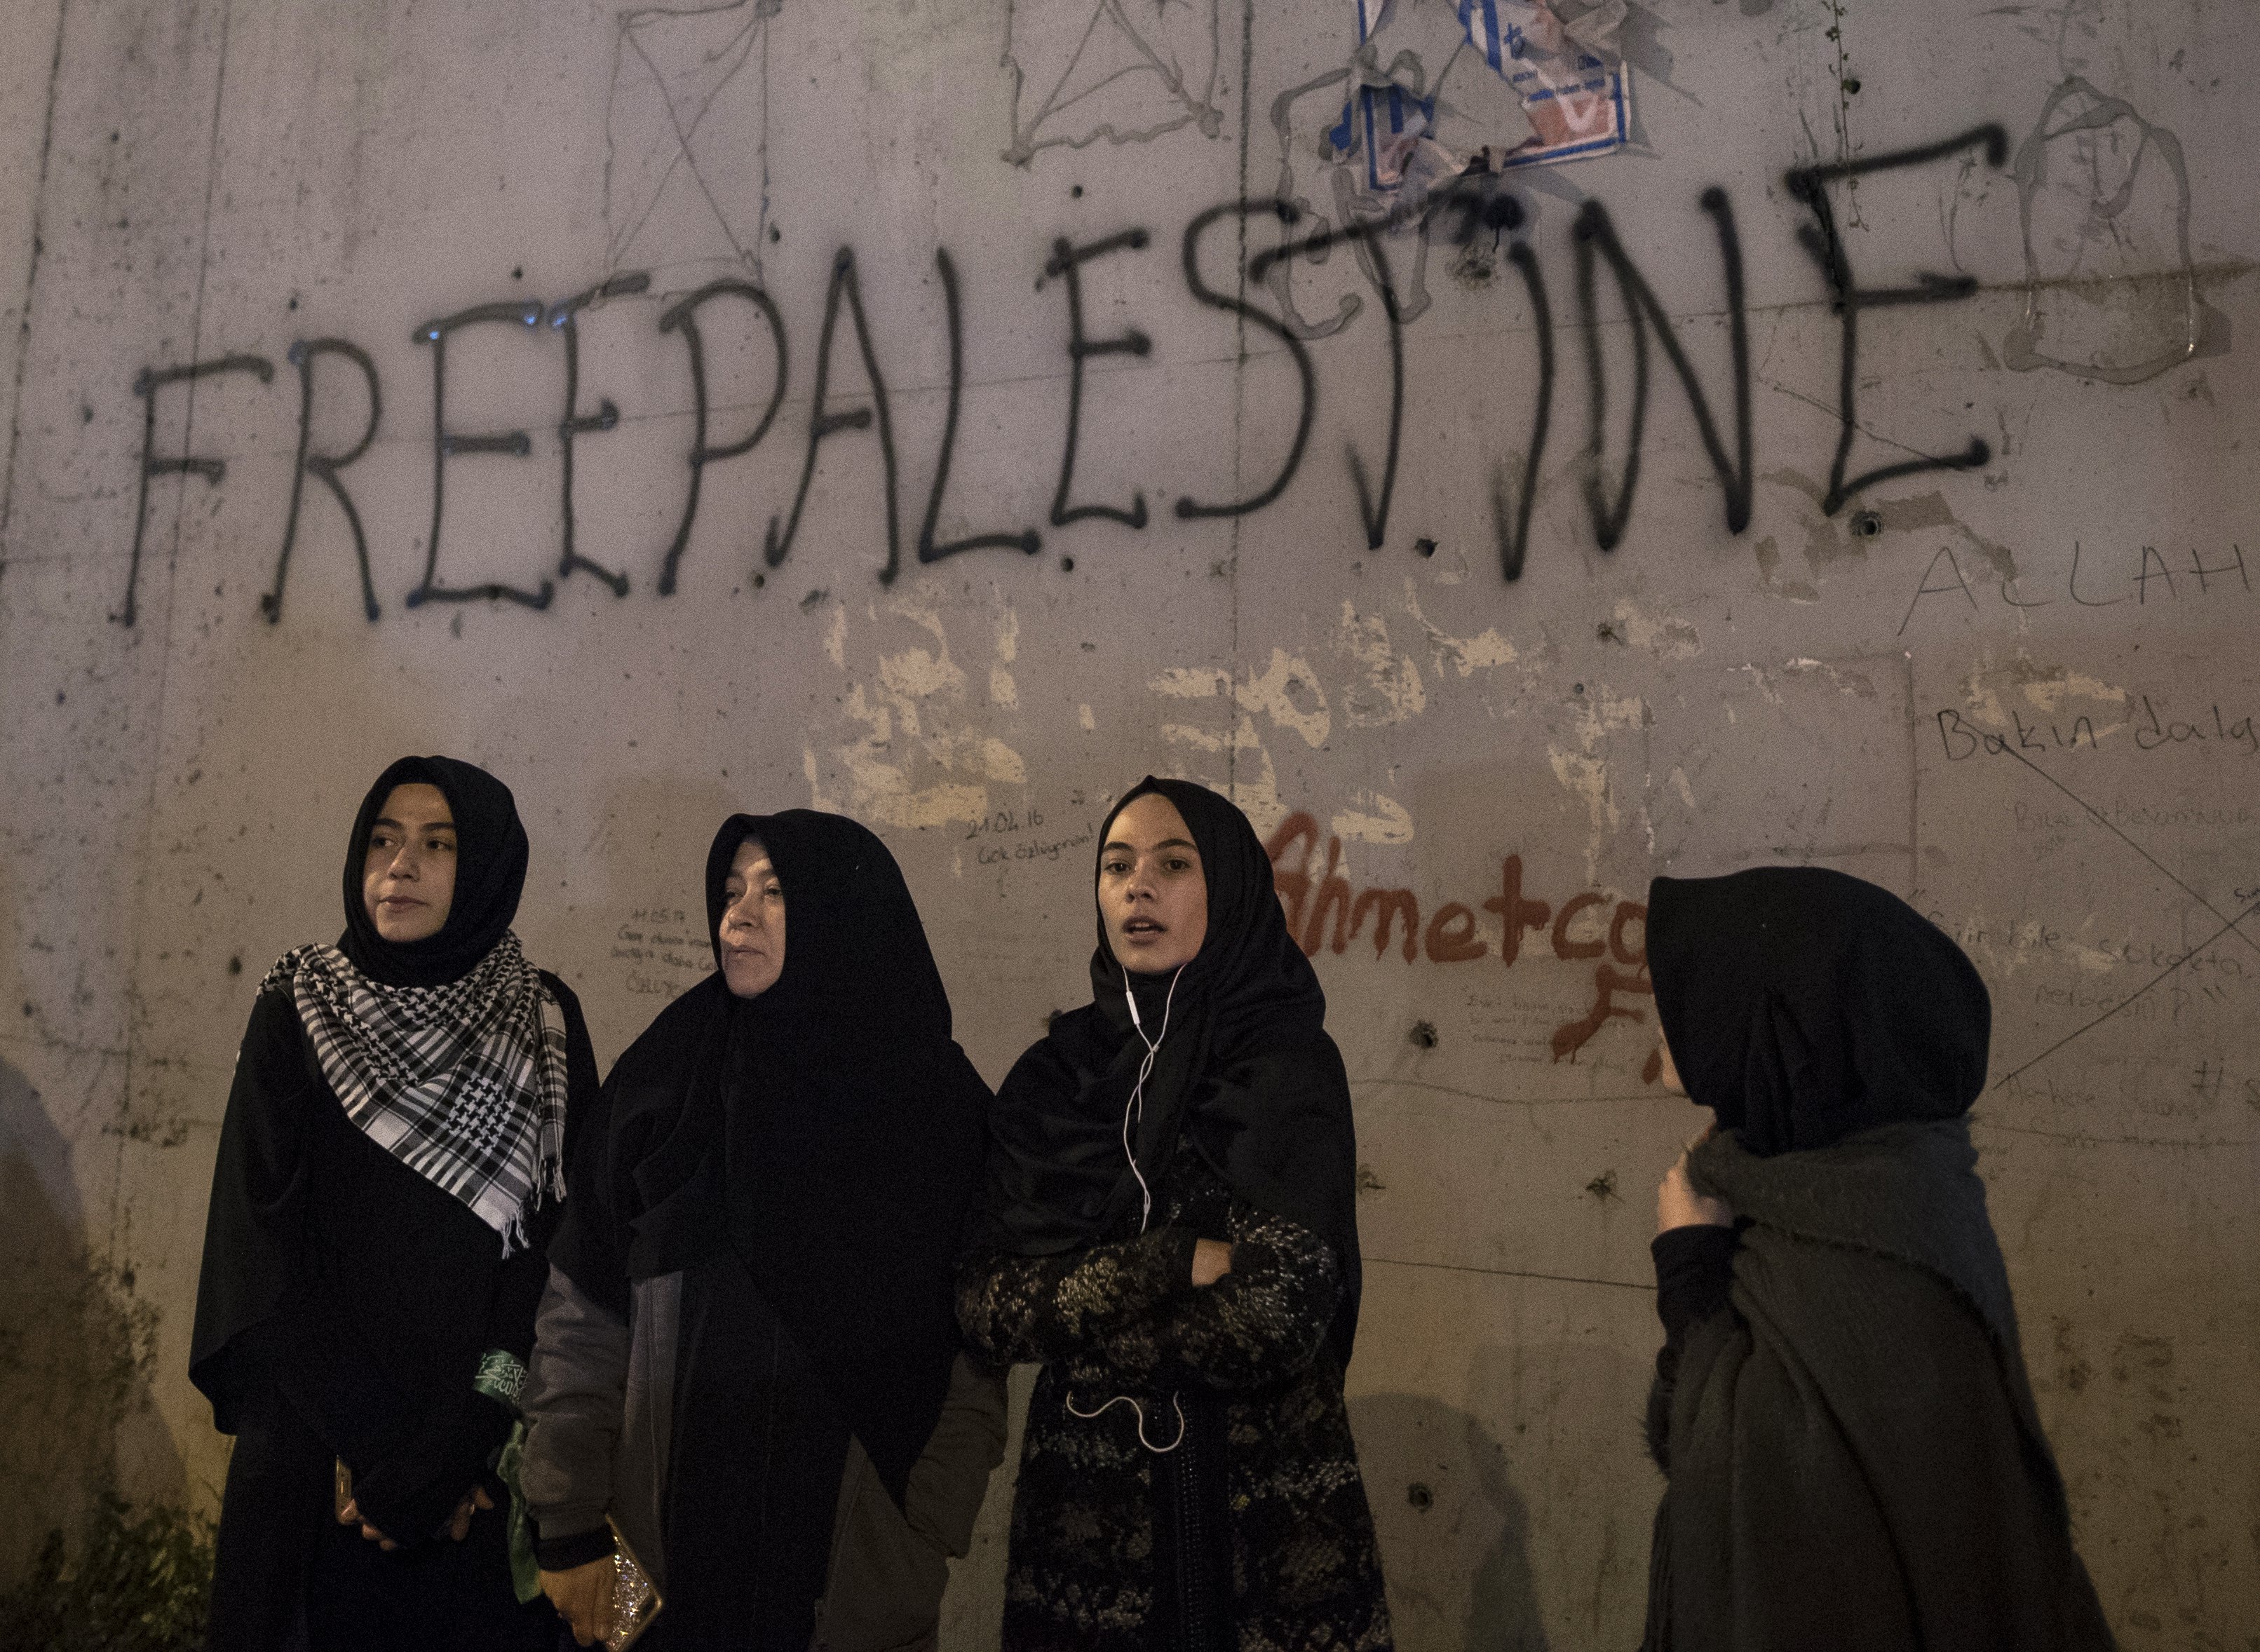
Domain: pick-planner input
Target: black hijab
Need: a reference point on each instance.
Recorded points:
(1803, 1005)
(490, 858)
(1245, 1068)
(828, 1133)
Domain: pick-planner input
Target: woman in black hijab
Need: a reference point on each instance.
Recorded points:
(746, 1365)
(390, 1172)
(1170, 1230)
(1840, 1406)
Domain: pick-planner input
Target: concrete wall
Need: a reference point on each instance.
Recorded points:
(2021, 692)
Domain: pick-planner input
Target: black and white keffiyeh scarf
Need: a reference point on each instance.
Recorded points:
(462, 1082)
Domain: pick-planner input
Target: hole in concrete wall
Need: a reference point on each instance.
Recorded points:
(1420, 1496)
(1866, 523)
(1424, 1034)
(1604, 1186)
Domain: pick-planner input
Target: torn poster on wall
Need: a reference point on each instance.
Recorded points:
(1545, 85)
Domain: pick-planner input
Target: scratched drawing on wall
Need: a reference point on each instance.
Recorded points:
(1111, 69)
(686, 136)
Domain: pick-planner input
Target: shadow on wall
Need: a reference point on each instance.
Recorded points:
(76, 1347)
(1455, 1531)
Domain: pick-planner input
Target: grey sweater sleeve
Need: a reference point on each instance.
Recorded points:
(574, 1400)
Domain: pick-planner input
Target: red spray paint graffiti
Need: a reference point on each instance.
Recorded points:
(1324, 911)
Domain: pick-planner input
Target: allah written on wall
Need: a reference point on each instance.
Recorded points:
(1513, 455)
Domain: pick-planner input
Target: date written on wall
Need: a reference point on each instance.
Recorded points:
(1008, 822)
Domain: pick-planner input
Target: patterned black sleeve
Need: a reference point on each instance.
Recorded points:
(1032, 1310)
(1261, 1322)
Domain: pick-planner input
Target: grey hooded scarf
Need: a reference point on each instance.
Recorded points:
(1854, 1454)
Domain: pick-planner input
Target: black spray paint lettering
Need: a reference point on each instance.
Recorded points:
(447, 444)
(147, 383)
(325, 467)
(1475, 205)
(1479, 204)
(566, 318)
(776, 546)
(1810, 185)
(1066, 264)
(1286, 212)
(1514, 542)
(1027, 541)
(1372, 515)
(683, 316)
(1595, 232)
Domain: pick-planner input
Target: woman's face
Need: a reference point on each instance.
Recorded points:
(408, 876)
(753, 922)
(1153, 895)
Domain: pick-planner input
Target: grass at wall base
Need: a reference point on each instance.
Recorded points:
(140, 1582)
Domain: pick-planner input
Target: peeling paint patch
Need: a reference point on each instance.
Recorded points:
(1287, 691)
(1666, 638)
(1768, 555)
(879, 792)
(1248, 775)
(1463, 656)
(1830, 539)
(1372, 818)
(1387, 688)
(1587, 778)
(915, 673)
(1858, 684)
(2052, 689)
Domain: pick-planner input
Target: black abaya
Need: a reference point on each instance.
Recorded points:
(345, 1302)
(805, 1159)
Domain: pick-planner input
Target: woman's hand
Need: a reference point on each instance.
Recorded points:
(584, 1598)
(1677, 1204)
(459, 1523)
(458, 1526)
(350, 1515)
(1211, 1261)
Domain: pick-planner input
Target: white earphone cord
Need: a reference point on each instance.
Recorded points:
(1134, 1112)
